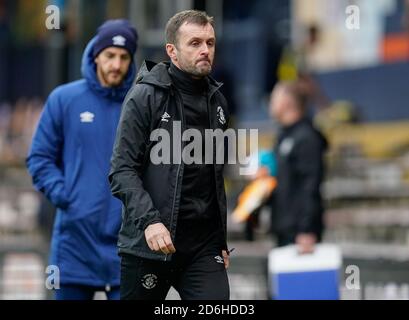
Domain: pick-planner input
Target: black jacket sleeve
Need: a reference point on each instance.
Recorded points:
(309, 169)
(128, 157)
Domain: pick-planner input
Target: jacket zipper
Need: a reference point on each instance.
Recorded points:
(177, 175)
(214, 168)
(173, 205)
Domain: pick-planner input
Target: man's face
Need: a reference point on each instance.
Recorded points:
(281, 104)
(194, 50)
(112, 66)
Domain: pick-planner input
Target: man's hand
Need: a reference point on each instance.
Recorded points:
(158, 238)
(226, 259)
(306, 242)
(262, 172)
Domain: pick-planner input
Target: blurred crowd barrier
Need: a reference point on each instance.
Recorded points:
(19, 205)
(17, 125)
(23, 248)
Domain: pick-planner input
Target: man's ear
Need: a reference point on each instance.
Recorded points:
(171, 51)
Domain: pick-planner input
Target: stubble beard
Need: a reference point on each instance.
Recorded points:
(197, 71)
(112, 83)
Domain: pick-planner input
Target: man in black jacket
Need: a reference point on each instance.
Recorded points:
(297, 203)
(174, 214)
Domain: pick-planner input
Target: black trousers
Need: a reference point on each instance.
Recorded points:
(195, 277)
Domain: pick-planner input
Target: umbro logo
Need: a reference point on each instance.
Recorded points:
(87, 117)
(219, 259)
(119, 41)
(165, 117)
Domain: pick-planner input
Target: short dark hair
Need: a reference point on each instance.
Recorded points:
(190, 16)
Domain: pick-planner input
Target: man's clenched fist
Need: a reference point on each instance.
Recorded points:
(158, 238)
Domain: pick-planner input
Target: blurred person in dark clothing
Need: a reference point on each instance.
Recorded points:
(69, 161)
(174, 227)
(297, 204)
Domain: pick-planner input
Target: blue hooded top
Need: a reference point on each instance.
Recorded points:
(69, 161)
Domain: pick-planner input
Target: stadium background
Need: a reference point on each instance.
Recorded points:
(363, 74)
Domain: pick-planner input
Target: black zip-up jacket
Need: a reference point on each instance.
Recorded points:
(151, 192)
(297, 203)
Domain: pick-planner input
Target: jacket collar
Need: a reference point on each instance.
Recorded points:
(157, 74)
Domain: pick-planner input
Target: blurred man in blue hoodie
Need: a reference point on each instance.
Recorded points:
(69, 161)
